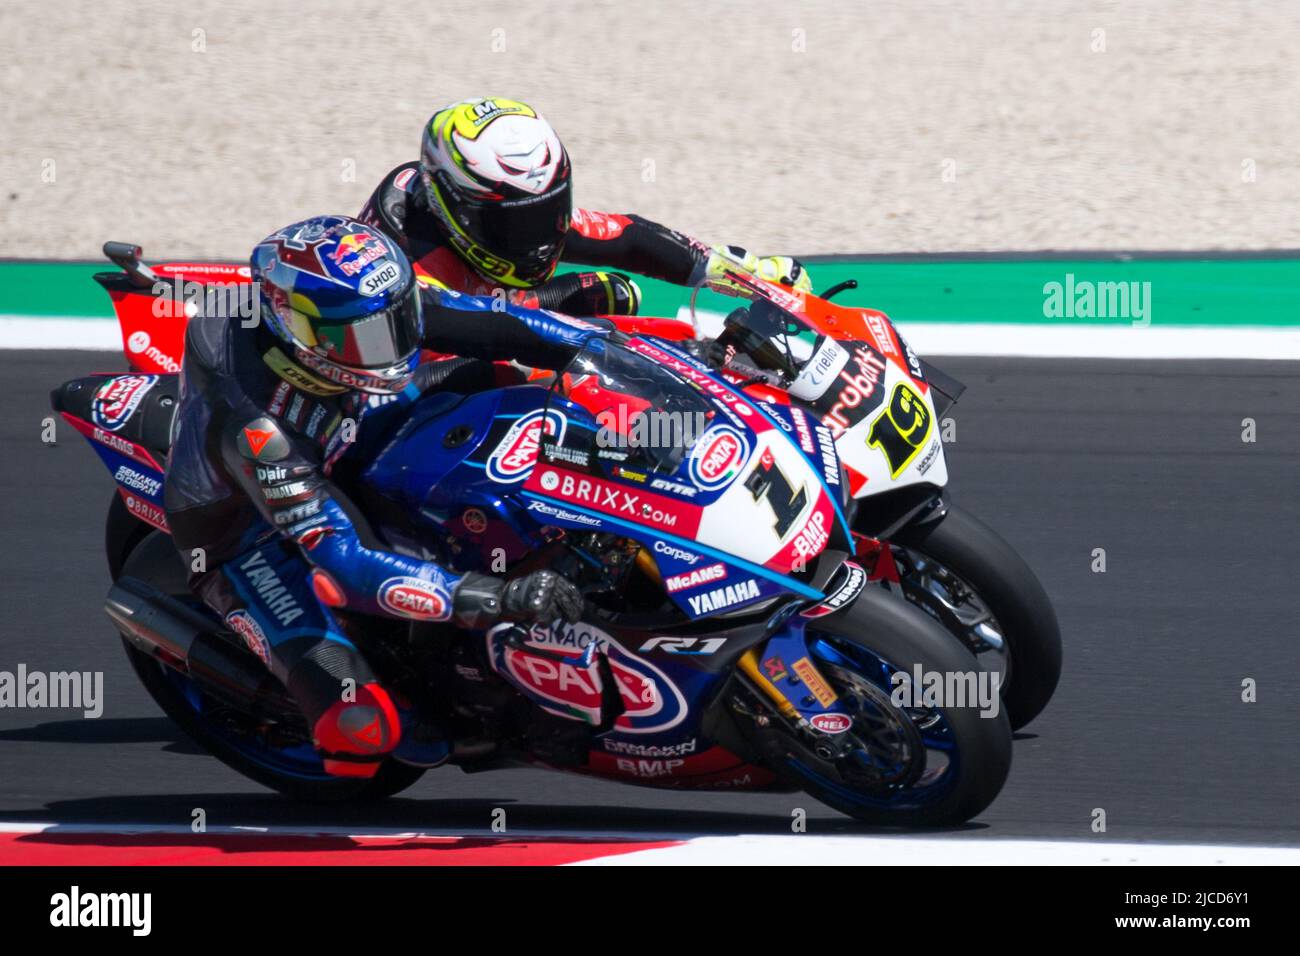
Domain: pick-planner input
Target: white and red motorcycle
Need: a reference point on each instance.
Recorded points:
(884, 406)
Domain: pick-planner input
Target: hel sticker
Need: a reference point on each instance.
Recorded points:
(356, 250)
(516, 453)
(118, 398)
(718, 457)
(291, 373)
(831, 723)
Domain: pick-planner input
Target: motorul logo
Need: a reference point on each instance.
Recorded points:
(725, 597)
(146, 512)
(812, 537)
(884, 341)
(862, 388)
(615, 500)
(819, 372)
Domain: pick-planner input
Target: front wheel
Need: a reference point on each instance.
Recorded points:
(963, 574)
(904, 761)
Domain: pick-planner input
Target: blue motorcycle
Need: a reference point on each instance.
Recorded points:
(729, 641)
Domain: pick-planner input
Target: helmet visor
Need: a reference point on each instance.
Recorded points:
(376, 341)
(529, 233)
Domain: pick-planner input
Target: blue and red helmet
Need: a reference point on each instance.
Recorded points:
(341, 296)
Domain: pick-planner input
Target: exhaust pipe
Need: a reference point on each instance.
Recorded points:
(189, 642)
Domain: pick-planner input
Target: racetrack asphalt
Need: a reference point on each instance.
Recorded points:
(1142, 459)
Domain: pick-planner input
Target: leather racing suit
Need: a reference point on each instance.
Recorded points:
(249, 482)
(399, 206)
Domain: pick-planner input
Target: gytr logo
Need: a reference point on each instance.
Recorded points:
(1083, 299)
(947, 689)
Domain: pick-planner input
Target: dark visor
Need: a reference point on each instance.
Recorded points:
(527, 232)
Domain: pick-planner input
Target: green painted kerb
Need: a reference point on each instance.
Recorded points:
(1187, 292)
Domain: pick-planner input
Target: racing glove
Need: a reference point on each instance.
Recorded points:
(782, 269)
(585, 294)
(540, 597)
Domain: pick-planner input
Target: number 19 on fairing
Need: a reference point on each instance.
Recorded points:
(901, 429)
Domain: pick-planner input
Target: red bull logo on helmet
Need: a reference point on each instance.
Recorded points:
(356, 250)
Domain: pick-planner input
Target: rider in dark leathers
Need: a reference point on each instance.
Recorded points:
(488, 210)
(268, 408)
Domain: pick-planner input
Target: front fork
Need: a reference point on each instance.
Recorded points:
(782, 670)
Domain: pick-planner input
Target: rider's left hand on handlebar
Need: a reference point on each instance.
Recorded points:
(782, 269)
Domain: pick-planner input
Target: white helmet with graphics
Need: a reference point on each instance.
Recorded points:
(497, 177)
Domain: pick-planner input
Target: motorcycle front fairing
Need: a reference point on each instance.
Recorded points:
(656, 449)
(855, 371)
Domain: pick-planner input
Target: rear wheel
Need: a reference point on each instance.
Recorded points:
(274, 751)
(899, 764)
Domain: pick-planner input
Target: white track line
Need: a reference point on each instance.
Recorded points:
(758, 850)
(176, 829)
(808, 850)
(927, 338)
(31, 332)
(1103, 341)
